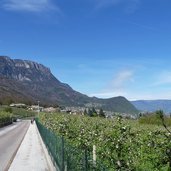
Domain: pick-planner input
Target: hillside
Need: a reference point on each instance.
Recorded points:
(153, 105)
(27, 81)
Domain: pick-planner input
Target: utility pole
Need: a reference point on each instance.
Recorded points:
(38, 109)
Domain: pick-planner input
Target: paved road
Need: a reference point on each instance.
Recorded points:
(10, 139)
(32, 154)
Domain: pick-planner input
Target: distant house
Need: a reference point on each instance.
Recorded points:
(20, 105)
(36, 108)
(50, 109)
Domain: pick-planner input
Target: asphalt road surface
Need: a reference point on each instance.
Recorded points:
(10, 140)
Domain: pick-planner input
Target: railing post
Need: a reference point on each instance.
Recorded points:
(85, 160)
(63, 165)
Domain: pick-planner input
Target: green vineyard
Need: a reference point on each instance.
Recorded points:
(121, 144)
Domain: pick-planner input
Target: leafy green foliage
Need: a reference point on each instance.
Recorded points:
(120, 145)
(23, 113)
(17, 112)
(101, 113)
(156, 118)
(91, 112)
(5, 118)
(8, 109)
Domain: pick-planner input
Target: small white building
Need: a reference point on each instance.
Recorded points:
(18, 105)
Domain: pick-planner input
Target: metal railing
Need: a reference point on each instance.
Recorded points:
(66, 157)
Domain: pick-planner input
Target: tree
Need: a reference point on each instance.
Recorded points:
(160, 114)
(140, 115)
(101, 113)
(94, 112)
(90, 113)
(85, 112)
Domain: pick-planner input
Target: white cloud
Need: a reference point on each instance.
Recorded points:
(134, 95)
(29, 5)
(163, 78)
(148, 95)
(121, 86)
(118, 86)
(122, 78)
(129, 5)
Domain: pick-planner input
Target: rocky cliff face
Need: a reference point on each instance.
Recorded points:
(33, 80)
(23, 70)
(27, 81)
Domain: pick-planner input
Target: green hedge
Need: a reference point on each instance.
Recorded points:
(5, 118)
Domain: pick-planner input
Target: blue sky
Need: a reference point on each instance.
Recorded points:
(102, 48)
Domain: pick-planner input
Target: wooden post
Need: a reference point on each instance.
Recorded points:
(94, 156)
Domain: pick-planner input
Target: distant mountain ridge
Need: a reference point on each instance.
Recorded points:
(153, 105)
(27, 81)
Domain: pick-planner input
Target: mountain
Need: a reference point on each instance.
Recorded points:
(153, 105)
(28, 82)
